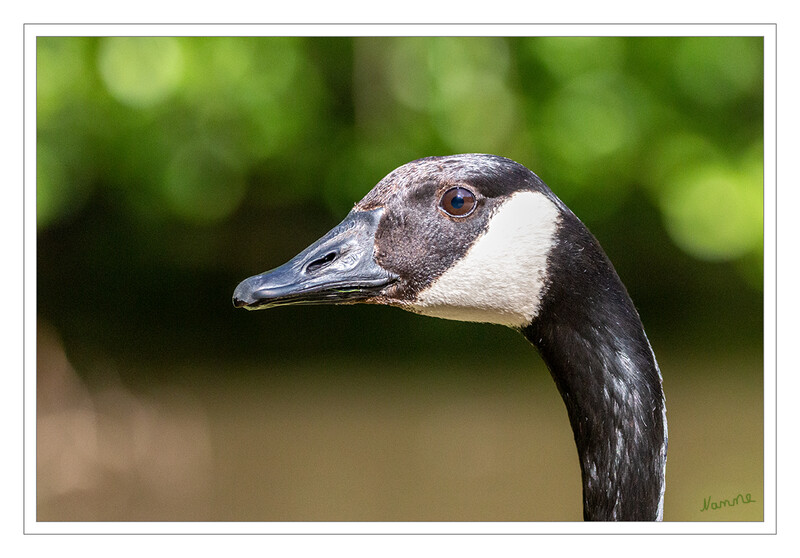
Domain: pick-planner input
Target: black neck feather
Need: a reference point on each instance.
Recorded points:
(590, 335)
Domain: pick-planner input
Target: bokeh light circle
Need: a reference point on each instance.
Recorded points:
(715, 213)
(140, 71)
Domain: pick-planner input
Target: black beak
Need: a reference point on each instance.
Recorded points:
(338, 268)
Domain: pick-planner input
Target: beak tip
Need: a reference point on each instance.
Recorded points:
(243, 295)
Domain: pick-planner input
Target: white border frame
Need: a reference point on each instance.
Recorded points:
(768, 31)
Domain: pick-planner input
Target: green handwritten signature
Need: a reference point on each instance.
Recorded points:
(710, 505)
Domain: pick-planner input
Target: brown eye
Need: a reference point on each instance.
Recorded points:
(457, 202)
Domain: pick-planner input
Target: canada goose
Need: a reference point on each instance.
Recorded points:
(481, 238)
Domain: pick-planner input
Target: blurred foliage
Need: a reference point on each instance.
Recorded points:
(185, 126)
(163, 158)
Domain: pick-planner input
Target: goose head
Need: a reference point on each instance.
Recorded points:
(465, 237)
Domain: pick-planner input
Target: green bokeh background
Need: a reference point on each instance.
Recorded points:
(170, 168)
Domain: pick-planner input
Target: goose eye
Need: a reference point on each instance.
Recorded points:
(457, 202)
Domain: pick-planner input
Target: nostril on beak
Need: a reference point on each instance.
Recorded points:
(318, 264)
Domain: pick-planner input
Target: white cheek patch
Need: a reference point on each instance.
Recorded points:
(502, 276)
